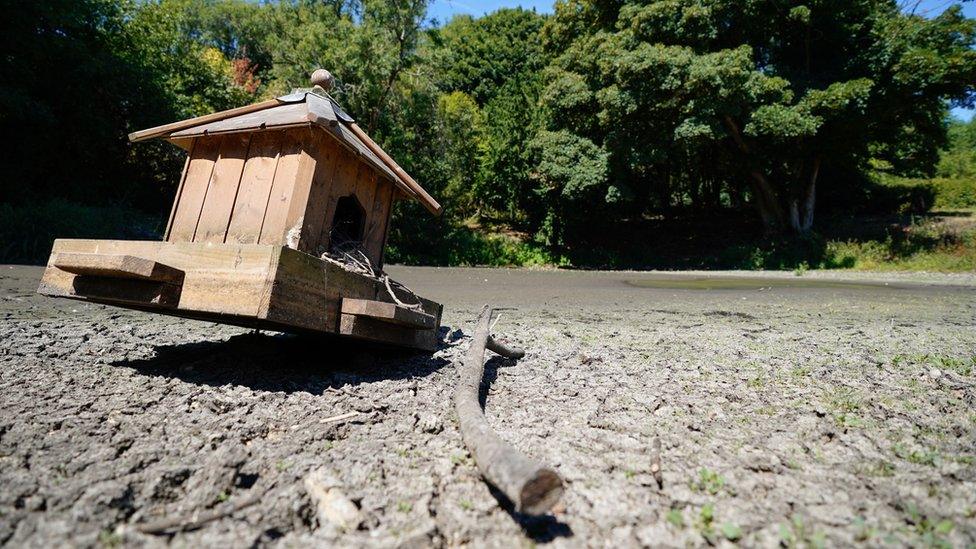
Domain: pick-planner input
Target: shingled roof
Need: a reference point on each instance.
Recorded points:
(300, 108)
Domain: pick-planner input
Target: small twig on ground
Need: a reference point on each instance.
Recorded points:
(197, 519)
(656, 462)
(340, 417)
(531, 487)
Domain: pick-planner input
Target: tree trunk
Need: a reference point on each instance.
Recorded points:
(767, 204)
(802, 206)
(766, 201)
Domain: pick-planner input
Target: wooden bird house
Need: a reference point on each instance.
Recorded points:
(280, 221)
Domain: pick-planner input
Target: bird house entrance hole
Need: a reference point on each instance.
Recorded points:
(347, 223)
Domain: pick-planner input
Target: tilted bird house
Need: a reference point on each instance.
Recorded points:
(280, 222)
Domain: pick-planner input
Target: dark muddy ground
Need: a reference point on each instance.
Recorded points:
(790, 411)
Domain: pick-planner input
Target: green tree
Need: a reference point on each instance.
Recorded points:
(462, 128)
(496, 59)
(66, 95)
(480, 55)
(78, 76)
(769, 91)
(959, 158)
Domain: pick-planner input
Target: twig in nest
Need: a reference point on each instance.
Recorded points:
(532, 487)
(197, 519)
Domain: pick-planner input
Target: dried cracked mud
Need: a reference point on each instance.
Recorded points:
(790, 411)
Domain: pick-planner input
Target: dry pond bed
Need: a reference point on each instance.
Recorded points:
(789, 410)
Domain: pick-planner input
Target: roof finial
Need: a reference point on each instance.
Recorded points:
(323, 79)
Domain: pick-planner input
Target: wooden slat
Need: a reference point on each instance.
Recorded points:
(116, 266)
(308, 292)
(370, 329)
(213, 117)
(375, 238)
(128, 291)
(366, 182)
(388, 312)
(287, 114)
(198, 173)
(344, 183)
(255, 187)
(326, 151)
(295, 163)
(179, 189)
(224, 182)
(295, 222)
(226, 279)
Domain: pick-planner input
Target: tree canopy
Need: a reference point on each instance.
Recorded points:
(554, 126)
(754, 96)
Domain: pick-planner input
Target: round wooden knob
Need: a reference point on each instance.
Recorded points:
(323, 79)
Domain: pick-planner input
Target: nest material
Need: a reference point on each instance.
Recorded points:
(349, 254)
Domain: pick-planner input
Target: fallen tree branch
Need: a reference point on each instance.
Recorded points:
(504, 350)
(532, 487)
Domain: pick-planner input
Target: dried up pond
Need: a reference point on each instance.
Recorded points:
(789, 409)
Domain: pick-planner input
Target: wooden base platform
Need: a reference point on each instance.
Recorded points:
(257, 285)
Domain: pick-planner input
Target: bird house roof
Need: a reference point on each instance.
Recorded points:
(299, 108)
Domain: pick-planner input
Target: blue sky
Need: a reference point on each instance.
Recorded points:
(443, 10)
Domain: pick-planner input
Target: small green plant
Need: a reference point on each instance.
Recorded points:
(109, 539)
(961, 366)
(880, 468)
(708, 482)
(705, 520)
(757, 382)
(863, 533)
(222, 497)
(282, 465)
(801, 371)
(930, 458)
(931, 531)
(731, 531)
(801, 269)
(676, 518)
(466, 505)
(846, 402)
(404, 507)
(798, 534)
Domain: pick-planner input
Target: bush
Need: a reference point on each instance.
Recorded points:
(890, 193)
(461, 246)
(27, 231)
(954, 193)
(904, 195)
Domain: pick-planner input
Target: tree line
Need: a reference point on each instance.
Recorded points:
(557, 127)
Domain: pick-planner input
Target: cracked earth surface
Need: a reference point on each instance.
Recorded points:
(789, 412)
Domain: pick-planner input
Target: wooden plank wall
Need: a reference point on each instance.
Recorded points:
(279, 188)
(355, 177)
(238, 187)
(255, 188)
(194, 190)
(295, 168)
